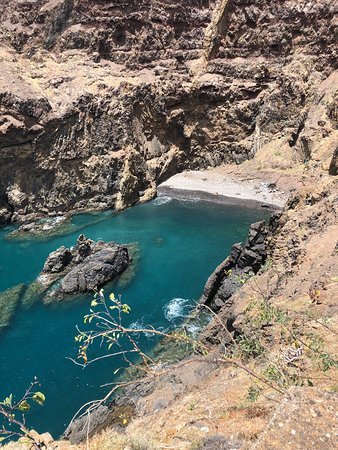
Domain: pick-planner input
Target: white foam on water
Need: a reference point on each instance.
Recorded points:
(53, 222)
(140, 325)
(161, 200)
(193, 329)
(177, 308)
(188, 202)
(137, 325)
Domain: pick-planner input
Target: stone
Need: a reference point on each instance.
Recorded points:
(5, 216)
(83, 247)
(249, 259)
(57, 261)
(78, 430)
(214, 281)
(46, 438)
(219, 442)
(243, 262)
(228, 287)
(333, 169)
(235, 252)
(97, 270)
(84, 268)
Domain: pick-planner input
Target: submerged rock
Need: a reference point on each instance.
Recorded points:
(9, 300)
(42, 228)
(83, 268)
(33, 293)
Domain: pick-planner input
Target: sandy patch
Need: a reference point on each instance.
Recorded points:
(213, 185)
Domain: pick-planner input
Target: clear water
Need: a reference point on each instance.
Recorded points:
(180, 244)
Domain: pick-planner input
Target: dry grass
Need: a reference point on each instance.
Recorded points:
(111, 440)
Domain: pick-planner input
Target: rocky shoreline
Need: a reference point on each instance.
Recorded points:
(183, 87)
(233, 286)
(244, 261)
(102, 102)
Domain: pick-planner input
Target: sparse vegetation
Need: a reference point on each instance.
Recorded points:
(12, 413)
(248, 347)
(253, 393)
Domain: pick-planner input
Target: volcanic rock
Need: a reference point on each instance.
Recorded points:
(84, 268)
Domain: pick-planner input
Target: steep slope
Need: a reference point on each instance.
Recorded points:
(100, 101)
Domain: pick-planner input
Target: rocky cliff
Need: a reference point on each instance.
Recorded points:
(102, 100)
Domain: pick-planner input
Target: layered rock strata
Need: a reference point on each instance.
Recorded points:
(243, 262)
(100, 101)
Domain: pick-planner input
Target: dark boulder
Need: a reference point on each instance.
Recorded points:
(57, 261)
(78, 430)
(5, 215)
(333, 169)
(84, 247)
(243, 261)
(85, 267)
(249, 258)
(96, 270)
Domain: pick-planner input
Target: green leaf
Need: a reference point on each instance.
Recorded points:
(24, 406)
(112, 297)
(39, 398)
(8, 401)
(94, 303)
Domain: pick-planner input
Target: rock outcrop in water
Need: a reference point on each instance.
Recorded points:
(84, 268)
(100, 101)
(244, 261)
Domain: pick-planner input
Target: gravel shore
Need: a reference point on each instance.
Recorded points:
(212, 185)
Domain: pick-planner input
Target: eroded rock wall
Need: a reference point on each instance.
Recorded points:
(101, 100)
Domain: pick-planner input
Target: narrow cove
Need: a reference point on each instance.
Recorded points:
(179, 244)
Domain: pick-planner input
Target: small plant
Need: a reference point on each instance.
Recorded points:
(253, 393)
(266, 266)
(13, 415)
(262, 313)
(315, 342)
(328, 362)
(192, 405)
(249, 346)
(244, 277)
(285, 375)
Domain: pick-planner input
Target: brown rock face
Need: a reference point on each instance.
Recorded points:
(101, 100)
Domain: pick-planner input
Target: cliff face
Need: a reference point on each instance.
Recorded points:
(101, 100)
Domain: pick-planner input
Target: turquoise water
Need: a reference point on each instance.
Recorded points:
(180, 243)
